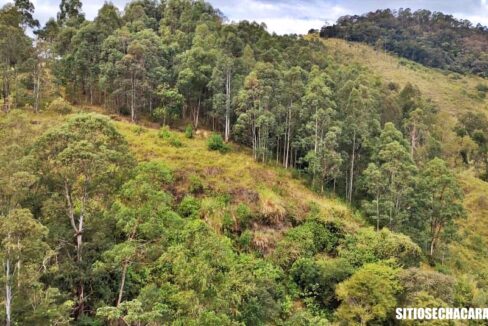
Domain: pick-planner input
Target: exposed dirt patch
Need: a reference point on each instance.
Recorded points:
(244, 195)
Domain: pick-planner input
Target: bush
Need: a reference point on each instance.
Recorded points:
(61, 106)
(175, 141)
(138, 130)
(164, 133)
(245, 240)
(244, 215)
(189, 207)
(369, 246)
(216, 143)
(317, 278)
(189, 132)
(196, 185)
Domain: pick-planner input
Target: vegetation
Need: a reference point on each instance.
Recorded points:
(348, 191)
(433, 39)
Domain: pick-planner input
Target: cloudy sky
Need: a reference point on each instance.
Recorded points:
(294, 16)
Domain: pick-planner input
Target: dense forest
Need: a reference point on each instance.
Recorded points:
(123, 217)
(430, 38)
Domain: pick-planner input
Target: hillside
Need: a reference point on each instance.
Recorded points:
(161, 166)
(433, 39)
(454, 95)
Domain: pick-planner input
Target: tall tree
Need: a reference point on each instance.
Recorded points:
(22, 250)
(83, 160)
(70, 12)
(439, 199)
(15, 48)
(357, 103)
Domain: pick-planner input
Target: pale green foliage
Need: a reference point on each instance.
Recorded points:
(367, 246)
(369, 295)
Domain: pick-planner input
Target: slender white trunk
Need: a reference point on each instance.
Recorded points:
(133, 101)
(8, 294)
(122, 283)
(351, 173)
(227, 106)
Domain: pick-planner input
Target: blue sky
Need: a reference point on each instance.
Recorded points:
(293, 16)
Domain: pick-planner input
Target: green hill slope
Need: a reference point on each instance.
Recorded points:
(453, 94)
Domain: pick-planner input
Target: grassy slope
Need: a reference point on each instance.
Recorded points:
(269, 191)
(453, 94)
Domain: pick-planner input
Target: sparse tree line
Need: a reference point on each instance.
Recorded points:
(376, 145)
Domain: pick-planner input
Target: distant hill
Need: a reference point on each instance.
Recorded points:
(430, 38)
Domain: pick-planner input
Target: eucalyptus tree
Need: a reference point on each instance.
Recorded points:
(23, 251)
(15, 47)
(195, 71)
(256, 101)
(439, 200)
(357, 109)
(83, 161)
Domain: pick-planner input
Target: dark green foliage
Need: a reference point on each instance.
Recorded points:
(306, 240)
(189, 132)
(430, 38)
(189, 207)
(317, 278)
(216, 143)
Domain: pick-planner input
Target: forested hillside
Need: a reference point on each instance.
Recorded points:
(430, 38)
(161, 166)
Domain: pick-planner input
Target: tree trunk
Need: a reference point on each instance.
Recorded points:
(413, 141)
(316, 131)
(8, 294)
(79, 241)
(227, 106)
(122, 282)
(287, 157)
(197, 113)
(377, 212)
(351, 173)
(37, 89)
(132, 102)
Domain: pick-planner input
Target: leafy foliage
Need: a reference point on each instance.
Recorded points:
(430, 38)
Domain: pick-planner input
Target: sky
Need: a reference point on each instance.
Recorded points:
(294, 16)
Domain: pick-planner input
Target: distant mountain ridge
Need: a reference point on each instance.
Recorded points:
(433, 39)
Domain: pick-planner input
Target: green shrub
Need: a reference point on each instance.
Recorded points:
(175, 141)
(369, 246)
(245, 240)
(244, 215)
(317, 278)
(189, 207)
(196, 185)
(60, 106)
(189, 132)
(138, 130)
(164, 132)
(216, 143)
